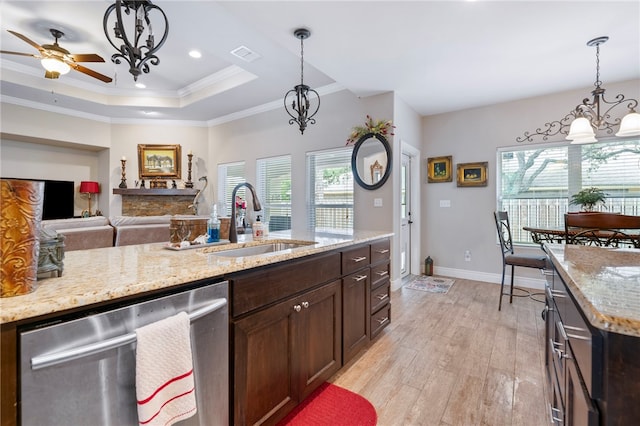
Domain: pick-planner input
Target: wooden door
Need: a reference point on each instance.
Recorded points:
(355, 315)
(317, 353)
(263, 367)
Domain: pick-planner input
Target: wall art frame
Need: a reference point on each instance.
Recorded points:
(159, 161)
(439, 169)
(472, 174)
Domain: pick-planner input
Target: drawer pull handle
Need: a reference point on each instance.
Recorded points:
(382, 320)
(359, 259)
(552, 411)
(558, 293)
(359, 278)
(383, 251)
(577, 336)
(305, 305)
(382, 273)
(297, 308)
(382, 296)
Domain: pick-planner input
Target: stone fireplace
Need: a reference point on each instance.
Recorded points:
(155, 202)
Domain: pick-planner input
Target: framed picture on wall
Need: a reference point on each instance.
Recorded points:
(439, 169)
(159, 161)
(472, 174)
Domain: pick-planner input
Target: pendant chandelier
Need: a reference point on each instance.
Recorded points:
(137, 51)
(296, 100)
(588, 117)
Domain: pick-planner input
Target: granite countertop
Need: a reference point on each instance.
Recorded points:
(605, 282)
(99, 275)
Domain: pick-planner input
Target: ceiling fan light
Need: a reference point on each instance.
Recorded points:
(585, 140)
(55, 65)
(630, 125)
(581, 129)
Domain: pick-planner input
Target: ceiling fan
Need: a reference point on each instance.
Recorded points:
(57, 60)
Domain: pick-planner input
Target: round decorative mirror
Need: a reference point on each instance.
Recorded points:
(371, 161)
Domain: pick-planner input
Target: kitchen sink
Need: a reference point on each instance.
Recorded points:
(263, 248)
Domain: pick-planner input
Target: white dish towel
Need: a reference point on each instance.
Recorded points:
(165, 389)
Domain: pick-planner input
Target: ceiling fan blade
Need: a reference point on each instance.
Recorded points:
(91, 73)
(27, 40)
(87, 57)
(19, 53)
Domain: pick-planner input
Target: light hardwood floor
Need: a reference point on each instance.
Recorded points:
(453, 359)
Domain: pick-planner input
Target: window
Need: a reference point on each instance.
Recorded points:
(535, 184)
(229, 175)
(274, 190)
(330, 203)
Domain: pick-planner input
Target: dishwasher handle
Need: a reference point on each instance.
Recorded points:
(43, 361)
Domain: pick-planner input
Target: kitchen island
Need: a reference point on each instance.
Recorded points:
(322, 271)
(592, 340)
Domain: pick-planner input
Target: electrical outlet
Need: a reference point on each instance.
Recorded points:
(467, 255)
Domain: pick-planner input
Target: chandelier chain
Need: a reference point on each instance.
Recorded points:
(598, 82)
(302, 60)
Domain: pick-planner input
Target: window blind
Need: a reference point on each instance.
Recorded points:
(330, 191)
(229, 175)
(273, 177)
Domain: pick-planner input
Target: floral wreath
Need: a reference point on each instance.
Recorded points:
(382, 127)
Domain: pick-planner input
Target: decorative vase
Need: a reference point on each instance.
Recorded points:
(20, 221)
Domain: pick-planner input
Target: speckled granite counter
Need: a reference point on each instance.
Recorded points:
(605, 282)
(99, 275)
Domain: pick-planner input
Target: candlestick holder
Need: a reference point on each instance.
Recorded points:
(123, 181)
(188, 183)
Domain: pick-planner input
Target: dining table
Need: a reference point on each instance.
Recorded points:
(559, 236)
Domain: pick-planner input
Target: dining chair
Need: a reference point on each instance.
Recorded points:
(509, 258)
(602, 229)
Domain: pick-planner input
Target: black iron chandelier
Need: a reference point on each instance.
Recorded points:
(588, 117)
(136, 50)
(298, 97)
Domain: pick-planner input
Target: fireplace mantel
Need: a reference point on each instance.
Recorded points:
(155, 191)
(156, 201)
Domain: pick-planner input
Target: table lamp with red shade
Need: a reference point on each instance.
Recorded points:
(89, 188)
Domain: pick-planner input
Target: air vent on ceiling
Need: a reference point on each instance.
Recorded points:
(245, 54)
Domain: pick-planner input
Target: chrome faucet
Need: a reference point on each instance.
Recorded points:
(233, 233)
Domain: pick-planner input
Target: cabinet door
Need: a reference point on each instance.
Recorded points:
(317, 349)
(355, 313)
(263, 371)
(579, 409)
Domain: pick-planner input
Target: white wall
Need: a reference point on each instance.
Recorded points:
(471, 136)
(269, 134)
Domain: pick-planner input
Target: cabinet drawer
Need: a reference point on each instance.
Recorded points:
(380, 320)
(379, 273)
(380, 295)
(250, 291)
(355, 259)
(380, 250)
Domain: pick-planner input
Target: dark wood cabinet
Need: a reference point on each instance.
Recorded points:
(593, 374)
(284, 352)
(355, 307)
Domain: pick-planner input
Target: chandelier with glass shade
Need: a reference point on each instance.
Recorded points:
(581, 124)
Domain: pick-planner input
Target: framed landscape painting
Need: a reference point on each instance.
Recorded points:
(439, 169)
(472, 174)
(159, 161)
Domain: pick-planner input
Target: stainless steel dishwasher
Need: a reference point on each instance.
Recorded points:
(82, 371)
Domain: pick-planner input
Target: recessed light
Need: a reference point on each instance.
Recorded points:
(195, 54)
(141, 85)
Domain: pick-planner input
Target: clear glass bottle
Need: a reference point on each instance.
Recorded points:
(213, 227)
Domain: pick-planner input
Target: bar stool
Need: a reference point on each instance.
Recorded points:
(509, 257)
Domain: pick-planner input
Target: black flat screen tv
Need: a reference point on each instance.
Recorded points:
(58, 198)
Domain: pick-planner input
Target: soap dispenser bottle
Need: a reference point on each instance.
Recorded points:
(258, 230)
(213, 226)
